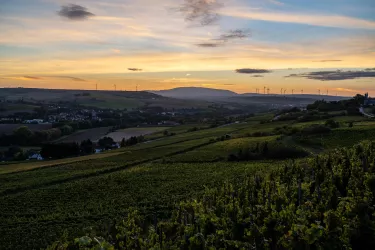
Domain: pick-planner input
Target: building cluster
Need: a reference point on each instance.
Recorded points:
(369, 101)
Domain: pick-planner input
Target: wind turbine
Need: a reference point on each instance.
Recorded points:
(281, 91)
(264, 90)
(319, 91)
(292, 91)
(284, 91)
(301, 91)
(114, 85)
(268, 91)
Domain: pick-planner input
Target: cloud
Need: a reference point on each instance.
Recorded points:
(209, 45)
(235, 34)
(23, 78)
(134, 69)
(335, 75)
(329, 61)
(74, 12)
(188, 74)
(301, 18)
(276, 2)
(32, 77)
(346, 90)
(203, 12)
(253, 71)
(228, 84)
(370, 69)
(117, 51)
(258, 76)
(224, 38)
(71, 78)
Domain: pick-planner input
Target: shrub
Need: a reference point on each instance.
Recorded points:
(332, 123)
(315, 129)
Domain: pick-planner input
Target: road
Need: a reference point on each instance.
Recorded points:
(361, 110)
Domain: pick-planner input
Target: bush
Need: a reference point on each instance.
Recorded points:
(332, 124)
(267, 150)
(60, 150)
(315, 129)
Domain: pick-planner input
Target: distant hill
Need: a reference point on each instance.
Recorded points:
(195, 93)
(96, 98)
(300, 96)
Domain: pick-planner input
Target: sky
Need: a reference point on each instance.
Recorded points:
(239, 45)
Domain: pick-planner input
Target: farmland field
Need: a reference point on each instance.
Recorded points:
(129, 132)
(9, 128)
(73, 205)
(16, 167)
(94, 134)
(42, 200)
(219, 150)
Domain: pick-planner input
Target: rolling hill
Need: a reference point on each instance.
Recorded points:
(195, 93)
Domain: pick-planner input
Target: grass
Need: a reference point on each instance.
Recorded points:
(24, 166)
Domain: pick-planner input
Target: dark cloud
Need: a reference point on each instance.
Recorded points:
(258, 76)
(209, 45)
(335, 75)
(32, 77)
(228, 84)
(253, 71)
(370, 69)
(74, 12)
(202, 12)
(329, 61)
(71, 78)
(234, 34)
(224, 38)
(134, 69)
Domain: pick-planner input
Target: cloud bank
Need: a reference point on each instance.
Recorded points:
(134, 69)
(335, 75)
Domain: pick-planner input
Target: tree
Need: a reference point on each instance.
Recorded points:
(60, 150)
(123, 142)
(106, 142)
(66, 130)
(332, 123)
(87, 147)
(22, 135)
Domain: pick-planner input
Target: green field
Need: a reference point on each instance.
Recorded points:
(219, 151)
(42, 200)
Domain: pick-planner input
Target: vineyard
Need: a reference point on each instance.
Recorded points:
(59, 200)
(322, 203)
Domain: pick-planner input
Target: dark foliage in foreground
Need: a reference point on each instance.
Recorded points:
(324, 203)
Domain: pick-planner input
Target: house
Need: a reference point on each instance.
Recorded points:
(36, 157)
(98, 150)
(369, 101)
(34, 121)
(116, 145)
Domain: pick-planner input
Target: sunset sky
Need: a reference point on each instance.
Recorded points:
(238, 45)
